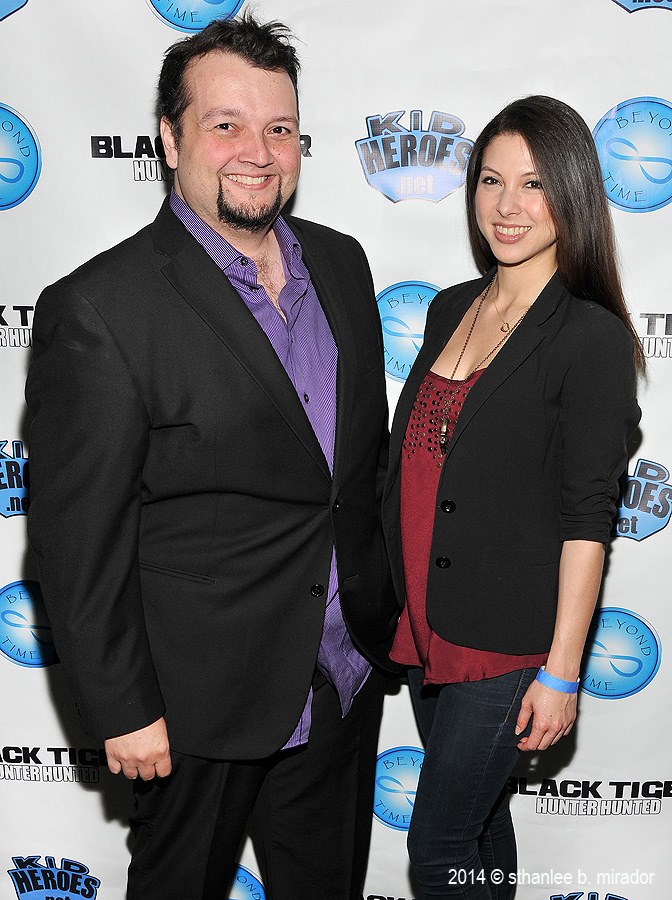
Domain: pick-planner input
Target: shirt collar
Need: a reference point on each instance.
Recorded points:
(221, 251)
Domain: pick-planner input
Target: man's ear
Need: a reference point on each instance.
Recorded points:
(169, 143)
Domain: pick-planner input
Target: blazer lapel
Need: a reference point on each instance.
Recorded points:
(205, 288)
(529, 334)
(526, 338)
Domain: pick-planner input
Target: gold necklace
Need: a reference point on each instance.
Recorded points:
(448, 402)
(505, 325)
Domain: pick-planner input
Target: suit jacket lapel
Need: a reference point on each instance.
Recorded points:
(201, 284)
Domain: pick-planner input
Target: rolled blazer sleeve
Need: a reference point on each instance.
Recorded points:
(89, 439)
(598, 413)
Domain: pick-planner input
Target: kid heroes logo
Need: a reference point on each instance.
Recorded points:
(47, 881)
(582, 895)
(635, 5)
(13, 481)
(645, 505)
(413, 163)
(147, 153)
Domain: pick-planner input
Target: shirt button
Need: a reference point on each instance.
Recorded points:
(448, 506)
(442, 562)
(306, 398)
(317, 590)
(244, 260)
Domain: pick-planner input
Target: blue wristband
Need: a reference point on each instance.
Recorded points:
(557, 684)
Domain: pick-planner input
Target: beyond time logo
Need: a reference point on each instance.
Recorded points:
(25, 633)
(397, 774)
(403, 310)
(415, 163)
(634, 146)
(193, 15)
(246, 886)
(20, 158)
(624, 656)
(645, 505)
(40, 881)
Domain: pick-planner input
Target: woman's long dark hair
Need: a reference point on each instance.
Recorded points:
(565, 159)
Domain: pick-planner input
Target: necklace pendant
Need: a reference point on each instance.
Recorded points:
(505, 327)
(443, 436)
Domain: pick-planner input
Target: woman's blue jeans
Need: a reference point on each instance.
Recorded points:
(461, 835)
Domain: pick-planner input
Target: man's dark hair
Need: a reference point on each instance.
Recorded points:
(266, 46)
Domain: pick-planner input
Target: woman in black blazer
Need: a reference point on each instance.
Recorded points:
(506, 449)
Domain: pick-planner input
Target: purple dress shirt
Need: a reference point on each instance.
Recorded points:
(307, 350)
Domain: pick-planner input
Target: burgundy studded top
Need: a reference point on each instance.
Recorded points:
(415, 643)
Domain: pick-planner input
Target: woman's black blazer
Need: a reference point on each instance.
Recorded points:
(535, 460)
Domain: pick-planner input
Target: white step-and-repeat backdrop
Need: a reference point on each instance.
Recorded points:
(384, 83)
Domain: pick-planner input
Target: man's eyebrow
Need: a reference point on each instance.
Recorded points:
(223, 113)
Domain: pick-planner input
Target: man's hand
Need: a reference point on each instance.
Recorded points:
(145, 752)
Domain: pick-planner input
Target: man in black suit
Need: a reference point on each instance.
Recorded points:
(208, 440)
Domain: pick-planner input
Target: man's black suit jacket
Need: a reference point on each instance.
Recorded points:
(182, 512)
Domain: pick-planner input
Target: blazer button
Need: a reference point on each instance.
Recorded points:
(448, 506)
(336, 506)
(317, 590)
(442, 562)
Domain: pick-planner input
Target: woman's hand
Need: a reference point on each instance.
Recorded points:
(553, 715)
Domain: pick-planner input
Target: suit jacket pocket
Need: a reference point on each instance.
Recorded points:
(177, 573)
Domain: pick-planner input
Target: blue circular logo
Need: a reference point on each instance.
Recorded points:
(25, 633)
(246, 886)
(194, 15)
(634, 146)
(20, 158)
(624, 656)
(403, 310)
(397, 774)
